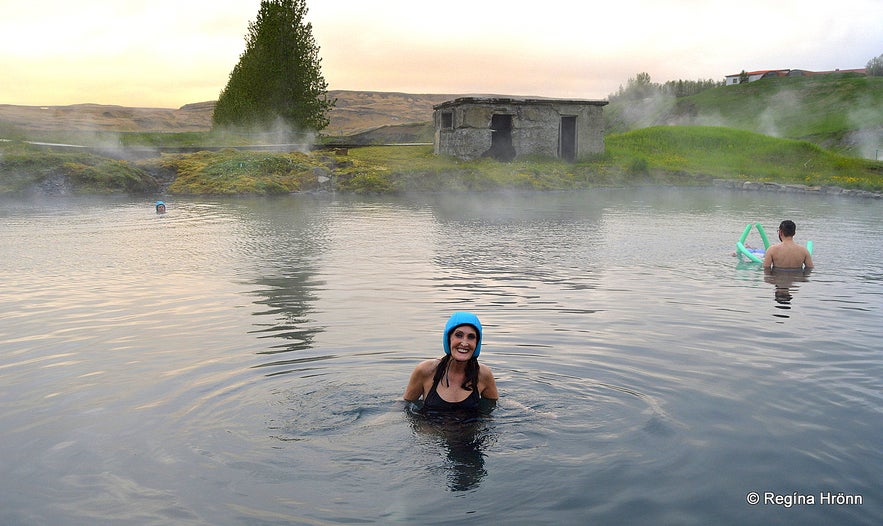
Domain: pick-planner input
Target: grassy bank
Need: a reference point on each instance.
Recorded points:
(686, 155)
(842, 112)
(27, 169)
(821, 108)
(735, 154)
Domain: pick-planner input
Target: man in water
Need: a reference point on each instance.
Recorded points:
(787, 255)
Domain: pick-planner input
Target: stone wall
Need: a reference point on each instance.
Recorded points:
(794, 188)
(535, 126)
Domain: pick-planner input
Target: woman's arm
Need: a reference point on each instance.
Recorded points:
(487, 384)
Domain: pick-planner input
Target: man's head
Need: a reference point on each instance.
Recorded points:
(787, 228)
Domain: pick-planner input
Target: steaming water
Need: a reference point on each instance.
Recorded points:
(242, 361)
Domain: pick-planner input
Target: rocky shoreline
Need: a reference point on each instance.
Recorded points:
(794, 188)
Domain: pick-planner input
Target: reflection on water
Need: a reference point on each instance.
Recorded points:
(288, 301)
(463, 439)
(502, 249)
(241, 361)
(786, 285)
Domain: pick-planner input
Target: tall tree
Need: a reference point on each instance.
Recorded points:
(279, 75)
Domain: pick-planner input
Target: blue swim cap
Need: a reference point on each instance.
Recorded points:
(457, 319)
(160, 203)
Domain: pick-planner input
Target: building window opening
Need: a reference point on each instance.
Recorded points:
(501, 138)
(447, 120)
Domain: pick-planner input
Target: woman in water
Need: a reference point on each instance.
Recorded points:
(456, 381)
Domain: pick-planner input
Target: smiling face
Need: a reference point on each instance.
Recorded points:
(463, 340)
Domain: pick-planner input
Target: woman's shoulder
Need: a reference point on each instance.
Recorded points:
(484, 371)
(427, 367)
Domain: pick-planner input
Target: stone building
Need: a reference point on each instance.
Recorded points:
(507, 128)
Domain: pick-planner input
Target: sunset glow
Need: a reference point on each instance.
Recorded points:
(166, 53)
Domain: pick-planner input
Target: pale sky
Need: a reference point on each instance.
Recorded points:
(167, 53)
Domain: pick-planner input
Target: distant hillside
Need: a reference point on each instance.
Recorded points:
(360, 111)
(843, 112)
(356, 112)
(105, 118)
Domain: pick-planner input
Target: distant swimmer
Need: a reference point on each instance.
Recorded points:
(787, 255)
(160, 207)
(455, 382)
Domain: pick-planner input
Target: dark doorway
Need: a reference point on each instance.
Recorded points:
(501, 138)
(567, 138)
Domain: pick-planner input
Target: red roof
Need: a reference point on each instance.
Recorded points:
(783, 72)
(763, 71)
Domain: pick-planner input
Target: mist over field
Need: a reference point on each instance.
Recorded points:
(840, 112)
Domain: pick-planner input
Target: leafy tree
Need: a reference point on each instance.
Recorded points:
(278, 76)
(685, 88)
(641, 87)
(875, 67)
(637, 88)
(743, 77)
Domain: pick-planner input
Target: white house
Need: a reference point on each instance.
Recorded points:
(757, 75)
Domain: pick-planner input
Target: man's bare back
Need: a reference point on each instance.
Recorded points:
(787, 255)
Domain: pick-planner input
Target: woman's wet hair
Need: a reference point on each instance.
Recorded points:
(470, 383)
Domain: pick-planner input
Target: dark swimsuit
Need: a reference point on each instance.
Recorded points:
(435, 403)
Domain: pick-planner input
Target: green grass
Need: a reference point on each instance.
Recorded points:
(737, 154)
(809, 112)
(235, 172)
(417, 169)
(660, 155)
(824, 109)
(670, 155)
(798, 107)
(107, 139)
(23, 167)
